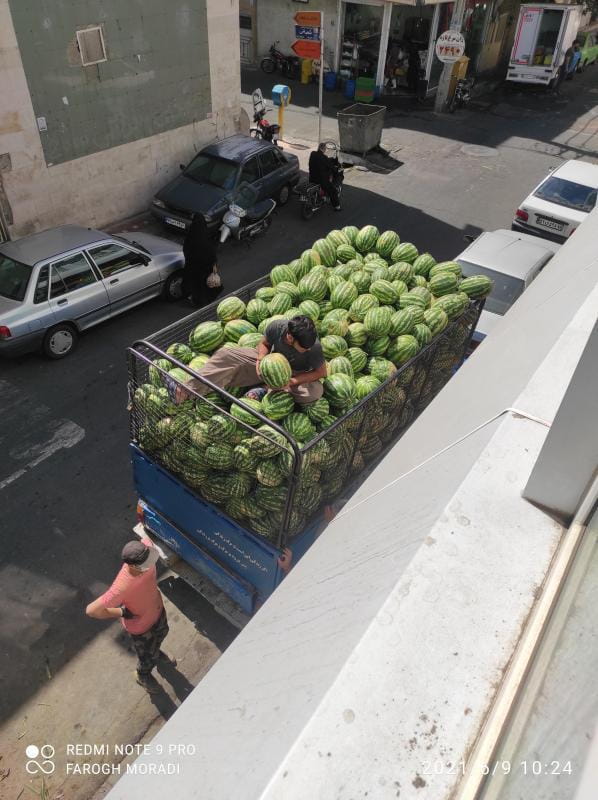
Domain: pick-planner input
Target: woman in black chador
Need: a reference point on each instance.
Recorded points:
(199, 250)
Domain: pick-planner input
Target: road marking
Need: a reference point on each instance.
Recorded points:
(66, 435)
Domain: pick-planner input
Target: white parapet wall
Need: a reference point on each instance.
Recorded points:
(371, 670)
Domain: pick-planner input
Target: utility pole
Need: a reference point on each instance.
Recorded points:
(445, 78)
(321, 82)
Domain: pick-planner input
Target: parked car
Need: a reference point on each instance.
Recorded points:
(560, 203)
(216, 171)
(512, 260)
(588, 40)
(55, 284)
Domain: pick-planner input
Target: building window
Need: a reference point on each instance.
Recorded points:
(91, 46)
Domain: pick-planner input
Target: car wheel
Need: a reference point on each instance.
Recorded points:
(307, 210)
(173, 286)
(60, 341)
(283, 195)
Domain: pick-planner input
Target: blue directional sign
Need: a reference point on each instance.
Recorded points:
(309, 33)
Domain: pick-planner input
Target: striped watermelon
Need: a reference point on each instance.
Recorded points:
(269, 473)
(339, 389)
(343, 295)
(318, 411)
(350, 232)
(257, 310)
(380, 274)
(250, 339)
(343, 270)
(474, 286)
(345, 252)
(289, 288)
(230, 308)
(236, 328)
(377, 322)
(419, 280)
(410, 299)
(436, 319)
(334, 280)
(423, 264)
(403, 321)
(299, 426)
(378, 346)
(374, 256)
(333, 346)
(239, 485)
(300, 269)
(313, 287)
(366, 239)
(387, 242)
(265, 293)
(282, 272)
(452, 304)
(280, 303)
(384, 291)
(366, 384)
(276, 405)
(361, 279)
(219, 456)
(403, 349)
(423, 292)
(402, 271)
(246, 416)
(423, 334)
(181, 352)
(275, 370)
(311, 258)
(204, 406)
(269, 443)
(381, 368)
(244, 458)
(356, 335)
(207, 337)
(404, 252)
(326, 250)
(340, 364)
(261, 328)
(442, 283)
(337, 237)
(362, 305)
(310, 309)
(357, 358)
(443, 266)
(221, 427)
(333, 326)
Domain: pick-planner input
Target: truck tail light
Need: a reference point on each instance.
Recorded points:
(522, 215)
(140, 516)
(5, 332)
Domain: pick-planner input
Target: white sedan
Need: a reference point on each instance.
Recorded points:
(560, 203)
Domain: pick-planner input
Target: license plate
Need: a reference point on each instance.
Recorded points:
(549, 223)
(176, 222)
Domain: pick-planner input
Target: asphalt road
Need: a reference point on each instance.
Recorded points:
(67, 500)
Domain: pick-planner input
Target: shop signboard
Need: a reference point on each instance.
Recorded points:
(304, 32)
(450, 46)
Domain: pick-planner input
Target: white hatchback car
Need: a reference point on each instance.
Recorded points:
(560, 203)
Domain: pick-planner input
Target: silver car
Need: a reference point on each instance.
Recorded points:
(57, 283)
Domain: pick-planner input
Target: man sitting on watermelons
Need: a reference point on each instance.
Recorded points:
(296, 339)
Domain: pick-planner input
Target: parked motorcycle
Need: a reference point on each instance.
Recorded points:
(277, 61)
(246, 217)
(262, 129)
(462, 94)
(311, 195)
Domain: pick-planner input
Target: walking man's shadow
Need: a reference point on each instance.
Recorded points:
(181, 686)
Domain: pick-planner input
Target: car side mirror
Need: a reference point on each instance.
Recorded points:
(145, 260)
(468, 238)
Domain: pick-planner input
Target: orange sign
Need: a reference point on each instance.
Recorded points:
(307, 18)
(305, 49)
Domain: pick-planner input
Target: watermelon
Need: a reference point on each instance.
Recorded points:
(402, 321)
(219, 455)
(404, 252)
(236, 328)
(387, 242)
(350, 232)
(436, 319)
(403, 349)
(239, 484)
(419, 280)
(208, 405)
(313, 287)
(344, 270)
(366, 239)
(423, 264)
(299, 426)
(361, 279)
(156, 378)
(366, 384)
(443, 266)
(452, 304)
(207, 337)
(402, 271)
(277, 405)
(310, 309)
(220, 427)
(343, 295)
(345, 252)
(282, 272)
(269, 443)
(339, 389)
(269, 473)
(275, 370)
(423, 334)
(181, 352)
(244, 458)
(246, 416)
(311, 258)
(179, 375)
(340, 364)
(336, 237)
(286, 287)
(400, 288)
(377, 322)
(377, 346)
(261, 328)
(381, 368)
(410, 299)
(333, 326)
(326, 250)
(356, 335)
(230, 308)
(380, 274)
(334, 280)
(280, 303)
(357, 358)
(361, 306)
(474, 286)
(384, 291)
(442, 283)
(300, 269)
(423, 292)
(333, 346)
(318, 410)
(265, 293)
(250, 339)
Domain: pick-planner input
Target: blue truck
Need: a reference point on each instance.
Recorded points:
(219, 543)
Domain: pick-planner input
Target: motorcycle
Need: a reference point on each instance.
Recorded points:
(264, 129)
(246, 217)
(311, 195)
(462, 94)
(276, 60)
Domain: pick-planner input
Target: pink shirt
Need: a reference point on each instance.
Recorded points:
(139, 593)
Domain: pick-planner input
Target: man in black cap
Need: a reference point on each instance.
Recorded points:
(134, 599)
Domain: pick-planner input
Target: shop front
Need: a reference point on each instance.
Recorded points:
(390, 43)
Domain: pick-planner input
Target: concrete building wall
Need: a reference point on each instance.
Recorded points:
(275, 23)
(117, 182)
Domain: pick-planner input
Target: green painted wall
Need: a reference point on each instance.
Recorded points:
(156, 78)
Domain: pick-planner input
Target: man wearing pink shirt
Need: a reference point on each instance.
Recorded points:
(135, 599)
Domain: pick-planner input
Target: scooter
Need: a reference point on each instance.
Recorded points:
(276, 60)
(246, 217)
(462, 94)
(311, 195)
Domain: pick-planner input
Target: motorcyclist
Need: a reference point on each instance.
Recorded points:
(321, 170)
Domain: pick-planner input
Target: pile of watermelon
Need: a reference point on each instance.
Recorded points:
(376, 303)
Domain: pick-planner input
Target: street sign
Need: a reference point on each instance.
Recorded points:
(450, 46)
(308, 18)
(306, 49)
(302, 32)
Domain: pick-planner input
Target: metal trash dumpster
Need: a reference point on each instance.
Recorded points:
(360, 127)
